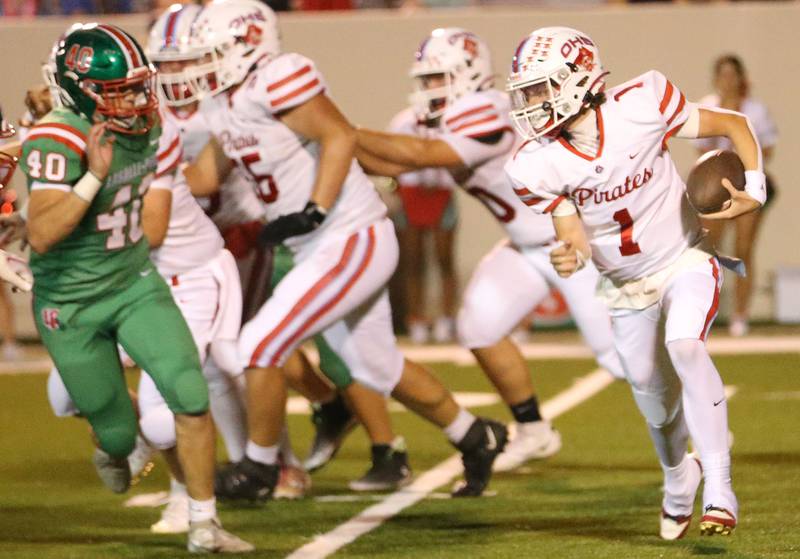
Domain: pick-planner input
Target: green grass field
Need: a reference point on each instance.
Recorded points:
(599, 497)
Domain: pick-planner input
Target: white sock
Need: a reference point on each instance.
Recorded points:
(227, 410)
(676, 487)
(459, 427)
(202, 510)
(176, 487)
(717, 489)
(262, 454)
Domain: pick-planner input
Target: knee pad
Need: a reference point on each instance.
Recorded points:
(686, 354)
(658, 408)
(187, 393)
(158, 427)
(60, 401)
(117, 438)
(226, 356)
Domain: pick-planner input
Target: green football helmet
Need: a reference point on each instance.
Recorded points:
(103, 73)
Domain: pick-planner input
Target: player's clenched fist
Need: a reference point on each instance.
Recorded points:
(566, 259)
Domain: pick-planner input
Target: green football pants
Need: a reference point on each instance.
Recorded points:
(82, 340)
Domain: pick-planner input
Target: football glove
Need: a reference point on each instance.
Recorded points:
(292, 225)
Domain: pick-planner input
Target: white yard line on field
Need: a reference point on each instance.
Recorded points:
(367, 520)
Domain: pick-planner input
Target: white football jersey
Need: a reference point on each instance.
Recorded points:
(465, 123)
(764, 127)
(405, 122)
(630, 196)
(192, 239)
(246, 123)
(236, 202)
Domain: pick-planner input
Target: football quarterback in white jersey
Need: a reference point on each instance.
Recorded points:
(270, 113)
(472, 139)
(616, 199)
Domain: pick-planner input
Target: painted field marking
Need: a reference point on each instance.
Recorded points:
(370, 518)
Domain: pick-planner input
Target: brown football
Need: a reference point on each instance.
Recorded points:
(704, 185)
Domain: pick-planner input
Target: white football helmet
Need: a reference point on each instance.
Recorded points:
(555, 73)
(231, 36)
(49, 67)
(464, 61)
(169, 42)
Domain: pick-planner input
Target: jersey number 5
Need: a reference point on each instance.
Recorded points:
(628, 246)
(266, 189)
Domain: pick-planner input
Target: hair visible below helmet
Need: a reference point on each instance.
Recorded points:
(231, 36)
(555, 73)
(103, 73)
(7, 162)
(169, 42)
(461, 57)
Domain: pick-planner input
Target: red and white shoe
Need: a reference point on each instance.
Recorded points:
(675, 526)
(293, 483)
(717, 521)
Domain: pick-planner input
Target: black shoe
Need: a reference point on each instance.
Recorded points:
(246, 480)
(389, 469)
(332, 421)
(484, 441)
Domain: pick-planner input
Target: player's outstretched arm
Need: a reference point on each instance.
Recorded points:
(411, 151)
(573, 250)
(377, 166)
(208, 171)
(54, 214)
(705, 123)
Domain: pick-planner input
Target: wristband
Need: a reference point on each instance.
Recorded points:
(755, 185)
(87, 188)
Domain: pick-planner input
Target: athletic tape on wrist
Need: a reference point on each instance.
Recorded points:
(755, 184)
(87, 187)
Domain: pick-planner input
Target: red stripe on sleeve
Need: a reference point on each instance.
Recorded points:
(554, 204)
(465, 114)
(66, 127)
(666, 98)
(626, 90)
(280, 100)
(63, 141)
(479, 135)
(164, 154)
(474, 123)
(280, 83)
(681, 103)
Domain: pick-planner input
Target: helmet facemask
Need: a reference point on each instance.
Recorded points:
(209, 75)
(539, 104)
(432, 93)
(129, 105)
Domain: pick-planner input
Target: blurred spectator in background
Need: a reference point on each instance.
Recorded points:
(732, 91)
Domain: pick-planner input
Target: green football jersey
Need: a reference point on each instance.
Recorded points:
(107, 250)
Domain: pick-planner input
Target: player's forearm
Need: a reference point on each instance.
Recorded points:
(375, 165)
(52, 216)
(337, 150)
(737, 128)
(400, 149)
(569, 229)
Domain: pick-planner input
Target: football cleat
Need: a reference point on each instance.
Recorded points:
(208, 536)
(389, 469)
(333, 421)
(293, 483)
(484, 441)
(175, 516)
(675, 526)
(717, 520)
(246, 480)
(530, 441)
(115, 473)
(140, 460)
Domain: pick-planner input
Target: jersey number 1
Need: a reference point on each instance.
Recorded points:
(628, 246)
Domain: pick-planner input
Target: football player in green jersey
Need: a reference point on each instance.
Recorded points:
(88, 164)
